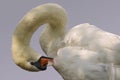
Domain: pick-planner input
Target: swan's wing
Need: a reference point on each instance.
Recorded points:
(73, 53)
(75, 63)
(92, 38)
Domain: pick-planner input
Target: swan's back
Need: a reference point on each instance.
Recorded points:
(87, 35)
(92, 38)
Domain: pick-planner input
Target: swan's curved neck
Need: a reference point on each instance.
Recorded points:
(53, 15)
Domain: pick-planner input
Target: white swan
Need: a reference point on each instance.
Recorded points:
(84, 48)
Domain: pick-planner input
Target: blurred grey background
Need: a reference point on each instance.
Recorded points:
(103, 13)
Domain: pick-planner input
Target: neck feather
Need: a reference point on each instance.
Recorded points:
(52, 14)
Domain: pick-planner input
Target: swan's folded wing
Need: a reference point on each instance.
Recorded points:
(80, 64)
(77, 54)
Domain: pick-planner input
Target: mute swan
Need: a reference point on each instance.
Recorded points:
(56, 42)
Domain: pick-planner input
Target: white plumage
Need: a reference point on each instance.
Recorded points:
(82, 65)
(92, 38)
(84, 53)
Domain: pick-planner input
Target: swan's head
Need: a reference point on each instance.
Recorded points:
(39, 64)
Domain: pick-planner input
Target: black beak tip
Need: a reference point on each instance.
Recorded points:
(37, 65)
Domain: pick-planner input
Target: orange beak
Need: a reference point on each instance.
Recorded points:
(45, 61)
